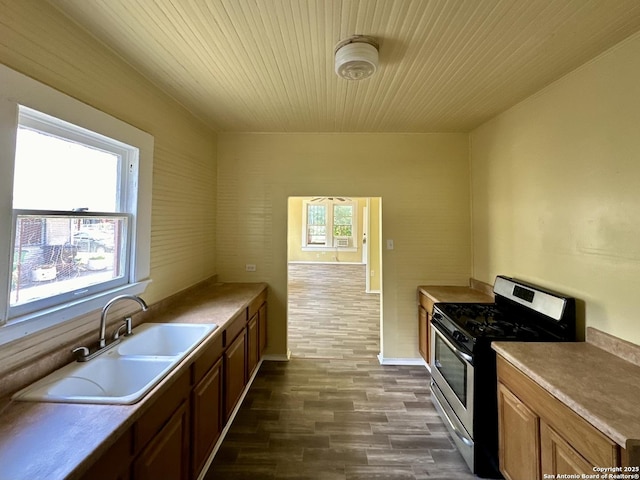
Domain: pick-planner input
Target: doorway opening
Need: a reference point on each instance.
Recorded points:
(334, 277)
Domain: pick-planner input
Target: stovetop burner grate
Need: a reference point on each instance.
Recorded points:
(489, 321)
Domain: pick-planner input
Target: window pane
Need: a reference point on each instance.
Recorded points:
(56, 174)
(316, 215)
(316, 235)
(54, 255)
(342, 220)
(342, 230)
(342, 214)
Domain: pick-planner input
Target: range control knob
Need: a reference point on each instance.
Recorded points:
(459, 336)
(437, 315)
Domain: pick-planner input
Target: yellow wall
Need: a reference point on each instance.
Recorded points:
(423, 180)
(375, 237)
(40, 42)
(556, 190)
(296, 254)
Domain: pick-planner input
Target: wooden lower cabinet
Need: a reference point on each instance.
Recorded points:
(425, 310)
(423, 338)
(262, 329)
(252, 345)
(519, 433)
(115, 464)
(539, 435)
(206, 415)
(558, 457)
(175, 436)
(166, 456)
(234, 373)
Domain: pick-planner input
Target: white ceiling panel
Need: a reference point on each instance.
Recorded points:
(267, 65)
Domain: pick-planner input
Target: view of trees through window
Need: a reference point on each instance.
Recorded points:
(342, 220)
(329, 222)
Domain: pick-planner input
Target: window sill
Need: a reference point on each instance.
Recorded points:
(57, 318)
(329, 249)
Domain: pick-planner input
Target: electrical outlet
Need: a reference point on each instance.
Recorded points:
(250, 267)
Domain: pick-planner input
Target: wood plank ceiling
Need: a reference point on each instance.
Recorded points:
(267, 65)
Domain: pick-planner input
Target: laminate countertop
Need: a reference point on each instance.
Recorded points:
(601, 387)
(439, 293)
(52, 441)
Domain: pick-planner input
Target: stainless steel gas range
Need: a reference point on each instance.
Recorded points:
(463, 365)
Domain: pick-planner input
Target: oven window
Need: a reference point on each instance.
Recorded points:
(452, 368)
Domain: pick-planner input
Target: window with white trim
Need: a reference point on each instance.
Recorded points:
(328, 224)
(75, 219)
(71, 217)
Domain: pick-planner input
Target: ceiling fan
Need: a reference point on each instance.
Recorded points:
(322, 199)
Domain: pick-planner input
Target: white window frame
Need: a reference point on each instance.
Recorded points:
(331, 241)
(18, 90)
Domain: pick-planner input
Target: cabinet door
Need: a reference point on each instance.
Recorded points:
(115, 464)
(234, 373)
(558, 456)
(262, 329)
(206, 416)
(167, 455)
(425, 311)
(252, 345)
(519, 437)
(423, 338)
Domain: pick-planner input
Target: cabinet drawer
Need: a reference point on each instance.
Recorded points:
(235, 327)
(160, 412)
(254, 306)
(202, 365)
(589, 442)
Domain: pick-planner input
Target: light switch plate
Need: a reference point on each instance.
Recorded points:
(389, 244)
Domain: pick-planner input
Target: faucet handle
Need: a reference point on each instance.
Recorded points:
(127, 322)
(126, 325)
(81, 353)
(118, 331)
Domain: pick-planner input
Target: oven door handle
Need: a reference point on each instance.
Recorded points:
(463, 438)
(464, 356)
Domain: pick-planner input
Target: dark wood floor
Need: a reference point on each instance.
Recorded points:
(333, 412)
(338, 419)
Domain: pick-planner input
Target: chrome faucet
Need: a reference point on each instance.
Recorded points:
(82, 353)
(103, 317)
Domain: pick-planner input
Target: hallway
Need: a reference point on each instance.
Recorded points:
(329, 313)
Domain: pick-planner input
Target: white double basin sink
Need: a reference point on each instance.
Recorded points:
(125, 373)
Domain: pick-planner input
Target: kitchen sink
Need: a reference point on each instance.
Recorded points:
(124, 374)
(163, 339)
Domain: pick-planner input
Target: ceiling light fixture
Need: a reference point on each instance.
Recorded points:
(356, 58)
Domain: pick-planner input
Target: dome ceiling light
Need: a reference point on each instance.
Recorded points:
(356, 58)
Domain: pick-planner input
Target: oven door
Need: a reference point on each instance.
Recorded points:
(452, 371)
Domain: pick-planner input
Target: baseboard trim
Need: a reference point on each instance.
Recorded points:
(278, 358)
(308, 262)
(401, 361)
